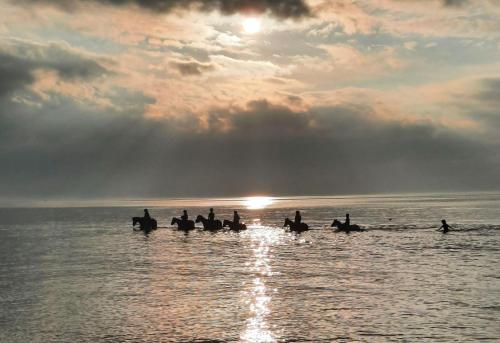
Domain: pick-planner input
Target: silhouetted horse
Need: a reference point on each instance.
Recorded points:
(209, 225)
(301, 227)
(145, 224)
(183, 225)
(341, 227)
(239, 227)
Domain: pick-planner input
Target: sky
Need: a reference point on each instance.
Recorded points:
(185, 98)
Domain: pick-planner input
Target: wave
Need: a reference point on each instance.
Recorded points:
(456, 228)
(394, 227)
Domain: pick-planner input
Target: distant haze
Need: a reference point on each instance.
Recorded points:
(172, 98)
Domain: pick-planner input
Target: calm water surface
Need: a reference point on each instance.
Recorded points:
(82, 275)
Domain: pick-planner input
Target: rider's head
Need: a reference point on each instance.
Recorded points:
(211, 209)
(443, 221)
(185, 212)
(297, 212)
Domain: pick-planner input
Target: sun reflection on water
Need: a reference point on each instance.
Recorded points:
(256, 203)
(258, 297)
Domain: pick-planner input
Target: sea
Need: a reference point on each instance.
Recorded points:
(75, 271)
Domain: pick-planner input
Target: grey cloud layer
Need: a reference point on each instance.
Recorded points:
(69, 148)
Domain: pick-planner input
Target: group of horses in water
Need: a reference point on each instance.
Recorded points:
(208, 225)
(147, 224)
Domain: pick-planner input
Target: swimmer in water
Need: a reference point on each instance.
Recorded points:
(445, 227)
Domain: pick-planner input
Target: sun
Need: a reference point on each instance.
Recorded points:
(255, 203)
(251, 25)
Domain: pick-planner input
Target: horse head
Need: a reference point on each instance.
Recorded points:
(174, 221)
(226, 223)
(288, 222)
(135, 220)
(336, 223)
(199, 219)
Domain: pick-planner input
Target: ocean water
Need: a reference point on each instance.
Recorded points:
(80, 274)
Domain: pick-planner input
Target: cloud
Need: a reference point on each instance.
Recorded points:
(411, 45)
(277, 8)
(490, 91)
(20, 60)
(470, 105)
(342, 64)
(450, 3)
(454, 2)
(15, 73)
(479, 100)
(192, 68)
(234, 150)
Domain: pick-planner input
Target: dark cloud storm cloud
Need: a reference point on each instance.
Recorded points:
(278, 8)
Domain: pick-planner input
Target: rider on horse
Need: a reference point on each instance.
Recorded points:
(236, 218)
(184, 216)
(298, 217)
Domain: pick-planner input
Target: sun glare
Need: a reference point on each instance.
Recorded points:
(255, 203)
(251, 25)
